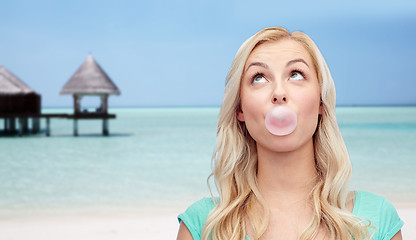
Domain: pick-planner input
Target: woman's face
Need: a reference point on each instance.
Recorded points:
(280, 73)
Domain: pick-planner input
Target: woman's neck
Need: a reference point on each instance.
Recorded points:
(285, 178)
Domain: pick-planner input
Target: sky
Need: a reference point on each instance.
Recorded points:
(178, 53)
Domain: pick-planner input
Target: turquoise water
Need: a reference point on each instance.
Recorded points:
(381, 142)
(158, 158)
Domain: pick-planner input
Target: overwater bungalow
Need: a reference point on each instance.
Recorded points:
(18, 101)
(90, 80)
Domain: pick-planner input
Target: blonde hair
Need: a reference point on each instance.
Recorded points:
(235, 160)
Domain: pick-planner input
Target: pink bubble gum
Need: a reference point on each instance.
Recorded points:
(281, 121)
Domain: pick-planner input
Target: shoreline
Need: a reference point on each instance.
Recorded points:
(120, 225)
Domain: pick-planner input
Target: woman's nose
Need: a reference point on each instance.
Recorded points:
(279, 100)
(279, 95)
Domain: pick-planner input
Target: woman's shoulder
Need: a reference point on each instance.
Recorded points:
(370, 203)
(201, 207)
(195, 216)
(379, 211)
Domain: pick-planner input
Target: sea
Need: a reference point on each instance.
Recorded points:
(159, 159)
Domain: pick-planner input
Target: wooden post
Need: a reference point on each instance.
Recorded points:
(7, 125)
(75, 127)
(20, 126)
(48, 129)
(12, 125)
(77, 103)
(25, 125)
(105, 127)
(35, 125)
(104, 103)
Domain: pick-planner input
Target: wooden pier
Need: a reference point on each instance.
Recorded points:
(23, 122)
(19, 102)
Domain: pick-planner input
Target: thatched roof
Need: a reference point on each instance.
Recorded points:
(90, 78)
(12, 85)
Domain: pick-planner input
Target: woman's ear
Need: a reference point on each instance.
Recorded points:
(240, 116)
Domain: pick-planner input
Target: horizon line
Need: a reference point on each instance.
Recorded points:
(217, 106)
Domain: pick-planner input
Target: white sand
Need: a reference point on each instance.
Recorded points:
(89, 228)
(408, 215)
(121, 227)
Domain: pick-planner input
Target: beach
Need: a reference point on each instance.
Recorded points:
(90, 228)
(155, 163)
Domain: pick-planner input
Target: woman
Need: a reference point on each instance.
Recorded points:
(283, 183)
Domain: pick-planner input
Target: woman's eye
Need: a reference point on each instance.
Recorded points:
(259, 78)
(295, 75)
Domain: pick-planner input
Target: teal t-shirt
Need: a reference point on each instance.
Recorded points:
(367, 206)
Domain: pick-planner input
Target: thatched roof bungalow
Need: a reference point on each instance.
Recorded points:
(16, 96)
(90, 79)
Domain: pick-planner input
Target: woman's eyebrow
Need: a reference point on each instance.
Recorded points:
(260, 64)
(295, 61)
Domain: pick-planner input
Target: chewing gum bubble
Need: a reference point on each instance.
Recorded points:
(281, 121)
